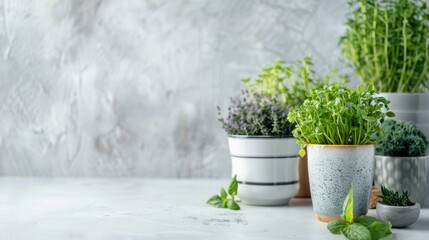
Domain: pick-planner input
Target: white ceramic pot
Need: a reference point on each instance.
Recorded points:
(412, 107)
(404, 173)
(266, 168)
(333, 170)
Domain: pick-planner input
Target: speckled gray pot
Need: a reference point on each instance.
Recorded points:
(333, 170)
(399, 217)
(404, 173)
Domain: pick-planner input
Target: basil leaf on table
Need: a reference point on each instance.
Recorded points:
(224, 200)
(357, 231)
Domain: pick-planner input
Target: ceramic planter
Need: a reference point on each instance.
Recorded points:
(266, 169)
(399, 217)
(304, 183)
(404, 173)
(333, 170)
(412, 107)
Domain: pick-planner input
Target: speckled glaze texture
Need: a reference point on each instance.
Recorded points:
(404, 173)
(333, 170)
(399, 217)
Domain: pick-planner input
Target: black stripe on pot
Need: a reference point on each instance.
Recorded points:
(267, 184)
(294, 156)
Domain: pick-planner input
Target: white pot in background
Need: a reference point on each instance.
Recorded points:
(266, 168)
(412, 107)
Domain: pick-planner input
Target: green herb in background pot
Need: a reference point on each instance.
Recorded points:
(338, 126)
(387, 44)
(401, 139)
(401, 159)
(290, 84)
(386, 41)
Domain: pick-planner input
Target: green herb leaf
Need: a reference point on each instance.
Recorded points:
(223, 194)
(366, 220)
(356, 231)
(246, 80)
(348, 207)
(302, 152)
(383, 34)
(233, 186)
(231, 204)
(336, 226)
(361, 88)
(335, 114)
(216, 201)
(225, 201)
(379, 229)
(363, 228)
(390, 114)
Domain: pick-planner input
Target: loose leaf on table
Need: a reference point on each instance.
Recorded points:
(336, 226)
(231, 204)
(357, 231)
(216, 201)
(233, 186)
(380, 230)
(363, 228)
(366, 220)
(223, 200)
(347, 214)
(223, 194)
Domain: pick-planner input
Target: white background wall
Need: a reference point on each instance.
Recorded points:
(129, 88)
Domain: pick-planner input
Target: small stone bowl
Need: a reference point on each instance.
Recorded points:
(399, 217)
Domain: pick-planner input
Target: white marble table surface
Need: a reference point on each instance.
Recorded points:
(45, 208)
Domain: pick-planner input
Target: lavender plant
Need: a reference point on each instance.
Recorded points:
(254, 114)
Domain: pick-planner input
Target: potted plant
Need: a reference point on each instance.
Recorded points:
(290, 85)
(337, 125)
(401, 160)
(263, 151)
(386, 43)
(397, 208)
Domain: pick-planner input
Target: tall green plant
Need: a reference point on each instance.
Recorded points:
(288, 83)
(387, 43)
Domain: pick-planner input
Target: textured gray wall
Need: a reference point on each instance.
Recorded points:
(129, 88)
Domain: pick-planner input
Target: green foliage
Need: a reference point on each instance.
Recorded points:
(256, 115)
(363, 228)
(288, 83)
(387, 43)
(226, 200)
(394, 198)
(347, 214)
(401, 139)
(338, 115)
